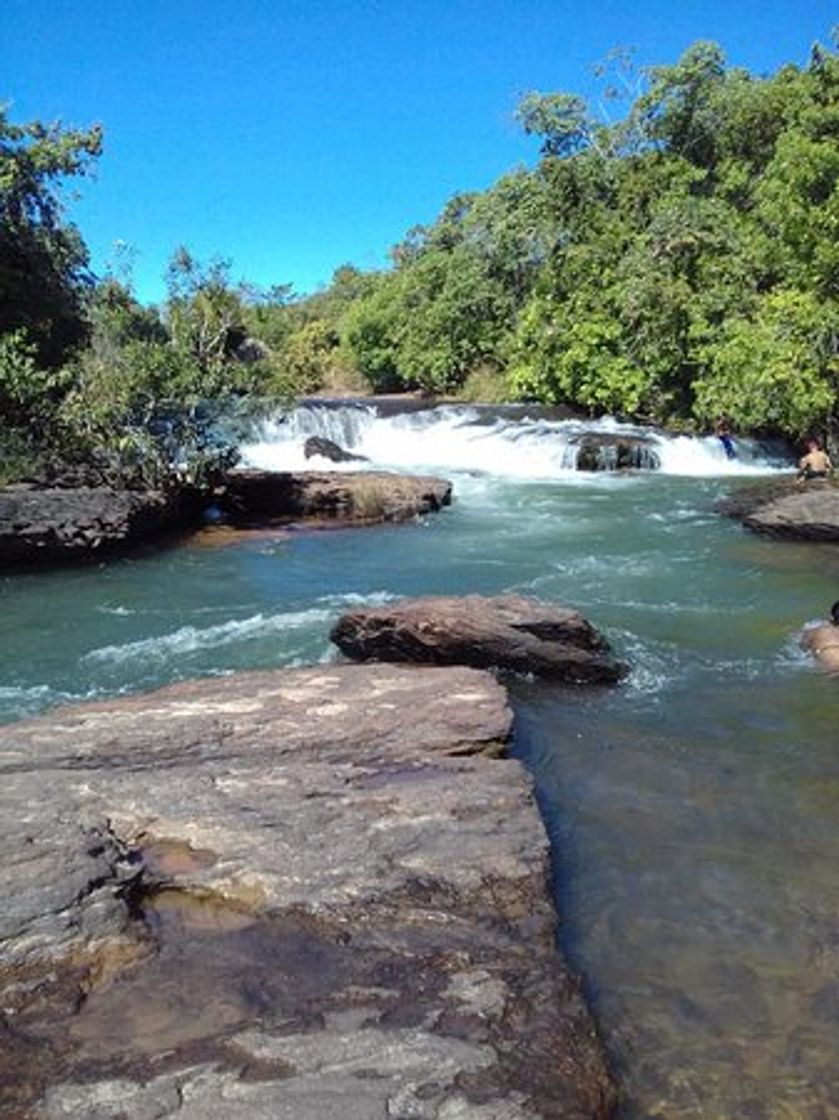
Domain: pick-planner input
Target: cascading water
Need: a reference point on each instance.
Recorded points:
(693, 809)
(493, 441)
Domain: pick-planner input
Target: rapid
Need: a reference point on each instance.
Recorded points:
(692, 809)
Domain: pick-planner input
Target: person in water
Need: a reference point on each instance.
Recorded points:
(722, 431)
(822, 641)
(816, 463)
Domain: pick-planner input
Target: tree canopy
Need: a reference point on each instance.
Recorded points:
(44, 275)
(672, 255)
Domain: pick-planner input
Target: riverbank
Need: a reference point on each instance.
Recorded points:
(52, 525)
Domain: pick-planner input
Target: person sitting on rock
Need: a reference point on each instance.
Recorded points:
(822, 641)
(816, 463)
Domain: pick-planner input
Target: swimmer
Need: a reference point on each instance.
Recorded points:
(823, 641)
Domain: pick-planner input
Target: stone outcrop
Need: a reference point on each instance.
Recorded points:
(64, 523)
(328, 449)
(297, 894)
(788, 509)
(46, 525)
(505, 632)
(604, 451)
(256, 496)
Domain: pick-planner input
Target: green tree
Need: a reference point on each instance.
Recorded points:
(776, 370)
(44, 275)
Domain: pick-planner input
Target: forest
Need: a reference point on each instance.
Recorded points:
(671, 257)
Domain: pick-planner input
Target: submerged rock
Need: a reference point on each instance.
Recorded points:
(252, 496)
(505, 632)
(282, 894)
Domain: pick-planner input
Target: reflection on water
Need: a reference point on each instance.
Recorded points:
(696, 857)
(694, 809)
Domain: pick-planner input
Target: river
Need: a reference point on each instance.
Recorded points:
(693, 809)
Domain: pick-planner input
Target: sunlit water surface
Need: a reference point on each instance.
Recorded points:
(694, 809)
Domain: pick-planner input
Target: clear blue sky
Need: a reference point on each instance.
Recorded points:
(294, 136)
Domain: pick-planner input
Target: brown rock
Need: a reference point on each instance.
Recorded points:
(282, 895)
(49, 525)
(328, 449)
(811, 514)
(258, 496)
(787, 508)
(506, 632)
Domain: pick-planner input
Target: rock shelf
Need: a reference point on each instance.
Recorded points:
(787, 509)
(300, 893)
(48, 525)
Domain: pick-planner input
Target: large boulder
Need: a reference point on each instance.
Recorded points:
(607, 451)
(282, 894)
(505, 632)
(47, 525)
(256, 496)
(788, 509)
(325, 448)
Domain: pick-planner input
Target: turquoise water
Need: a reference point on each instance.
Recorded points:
(694, 809)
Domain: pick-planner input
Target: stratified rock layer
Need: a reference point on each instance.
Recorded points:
(788, 509)
(255, 496)
(506, 632)
(293, 894)
(44, 525)
(65, 524)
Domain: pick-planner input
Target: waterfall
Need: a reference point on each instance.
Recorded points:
(508, 441)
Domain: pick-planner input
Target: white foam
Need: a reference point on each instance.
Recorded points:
(188, 639)
(462, 439)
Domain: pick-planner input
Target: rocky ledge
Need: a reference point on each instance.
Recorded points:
(365, 496)
(45, 524)
(788, 509)
(506, 632)
(292, 894)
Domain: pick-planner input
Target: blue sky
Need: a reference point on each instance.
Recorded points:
(291, 137)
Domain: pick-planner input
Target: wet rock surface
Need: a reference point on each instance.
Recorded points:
(506, 631)
(283, 894)
(328, 449)
(602, 451)
(252, 496)
(45, 525)
(788, 509)
(67, 521)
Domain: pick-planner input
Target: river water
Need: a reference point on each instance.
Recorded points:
(693, 809)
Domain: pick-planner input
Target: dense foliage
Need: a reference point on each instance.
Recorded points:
(44, 273)
(677, 263)
(697, 271)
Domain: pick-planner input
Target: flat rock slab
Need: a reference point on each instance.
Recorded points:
(300, 893)
(506, 632)
(365, 496)
(811, 515)
(788, 509)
